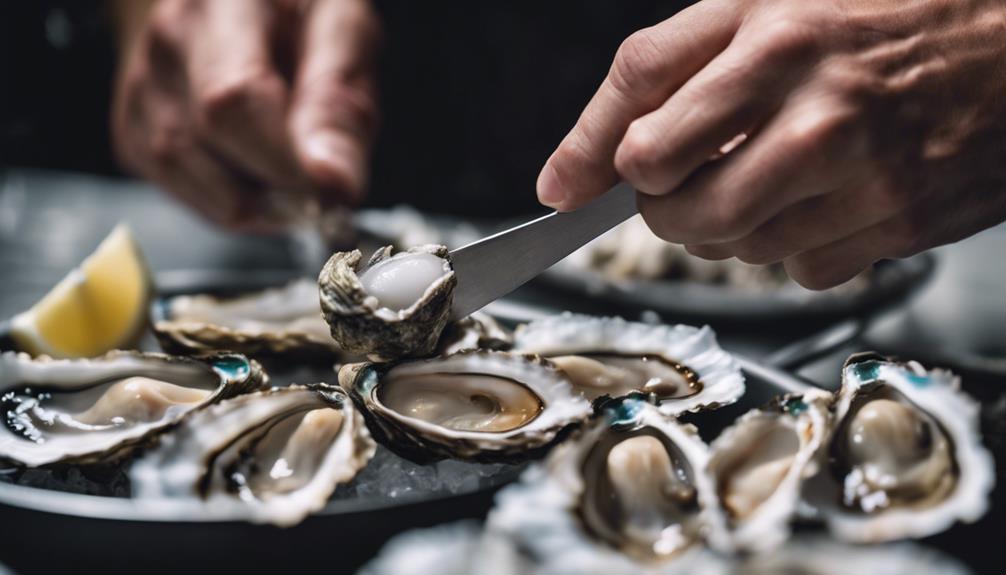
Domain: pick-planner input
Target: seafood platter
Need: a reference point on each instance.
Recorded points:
(308, 423)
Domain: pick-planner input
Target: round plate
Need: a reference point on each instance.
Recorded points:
(891, 281)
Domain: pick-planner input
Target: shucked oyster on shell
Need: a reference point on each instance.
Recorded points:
(92, 410)
(395, 306)
(905, 458)
(274, 456)
(758, 466)
(475, 405)
(683, 367)
(627, 491)
(282, 322)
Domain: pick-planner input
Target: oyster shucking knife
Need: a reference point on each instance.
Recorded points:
(494, 266)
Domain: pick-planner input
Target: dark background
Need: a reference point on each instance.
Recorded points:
(475, 95)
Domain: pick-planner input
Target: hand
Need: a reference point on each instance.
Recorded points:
(861, 130)
(222, 101)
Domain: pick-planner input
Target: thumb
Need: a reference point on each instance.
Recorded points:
(333, 115)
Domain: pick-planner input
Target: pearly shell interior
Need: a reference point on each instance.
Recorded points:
(461, 401)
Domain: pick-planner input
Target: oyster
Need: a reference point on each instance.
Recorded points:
(102, 409)
(628, 490)
(283, 321)
(758, 466)
(473, 405)
(395, 306)
(682, 366)
(274, 456)
(905, 457)
(477, 331)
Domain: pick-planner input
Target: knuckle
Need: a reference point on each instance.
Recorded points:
(636, 64)
(167, 19)
(822, 125)
(167, 145)
(218, 103)
(638, 152)
(786, 40)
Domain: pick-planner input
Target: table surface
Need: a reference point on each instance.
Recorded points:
(49, 221)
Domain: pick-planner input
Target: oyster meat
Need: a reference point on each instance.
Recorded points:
(473, 405)
(394, 306)
(905, 456)
(283, 321)
(273, 456)
(628, 490)
(759, 465)
(101, 409)
(681, 366)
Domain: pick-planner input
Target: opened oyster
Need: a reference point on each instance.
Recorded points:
(101, 409)
(758, 466)
(273, 456)
(395, 306)
(474, 405)
(905, 457)
(682, 366)
(629, 489)
(282, 321)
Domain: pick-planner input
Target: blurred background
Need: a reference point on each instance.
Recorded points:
(474, 95)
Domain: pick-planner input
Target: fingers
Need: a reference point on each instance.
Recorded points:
(809, 149)
(738, 90)
(649, 66)
(818, 221)
(333, 114)
(238, 98)
(163, 145)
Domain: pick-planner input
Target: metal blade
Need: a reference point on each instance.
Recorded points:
(495, 266)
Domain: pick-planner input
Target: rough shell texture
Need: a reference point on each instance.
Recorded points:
(937, 393)
(234, 374)
(423, 441)
(754, 441)
(195, 466)
(361, 326)
(477, 331)
(696, 348)
(541, 513)
(282, 322)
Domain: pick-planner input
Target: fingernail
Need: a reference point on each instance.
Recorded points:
(550, 192)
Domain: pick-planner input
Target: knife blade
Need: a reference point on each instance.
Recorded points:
(496, 265)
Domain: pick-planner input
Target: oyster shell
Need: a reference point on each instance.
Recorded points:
(284, 321)
(905, 456)
(628, 490)
(90, 410)
(395, 306)
(477, 331)
(758, 466)
(682, 366)
(822, 555)
(474, 405)
(274, 456)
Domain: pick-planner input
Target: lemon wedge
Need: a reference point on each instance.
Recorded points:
(99, 306)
